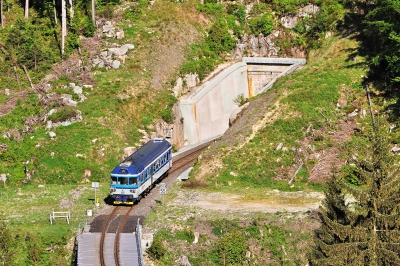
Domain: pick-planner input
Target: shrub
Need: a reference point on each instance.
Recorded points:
(263, 24)
(157, 249)
(231, 248)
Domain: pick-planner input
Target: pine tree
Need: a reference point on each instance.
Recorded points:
(366, 232)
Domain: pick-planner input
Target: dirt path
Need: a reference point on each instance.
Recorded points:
(273, 201)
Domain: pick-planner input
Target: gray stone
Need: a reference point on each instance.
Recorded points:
(7, 92)
(66, 96)
(78, 90)
(118, 51)
(52, 134)
(69, 102)
(72, 85)
(47, 87)
(120, 34)
(88, 87)
(116, 64)
(129, 46)
(49, 124)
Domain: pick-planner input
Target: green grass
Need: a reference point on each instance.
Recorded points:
(307, 97)
(26, 209)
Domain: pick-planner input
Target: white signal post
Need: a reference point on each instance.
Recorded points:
(95, 185)
(163, 191)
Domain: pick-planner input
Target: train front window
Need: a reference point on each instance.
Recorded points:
(133, 181)
(113, 180)
(123, 180)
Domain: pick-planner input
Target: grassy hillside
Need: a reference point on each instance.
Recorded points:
(170, 40)
(245, 168)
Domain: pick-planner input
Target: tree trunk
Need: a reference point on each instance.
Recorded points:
(27, 75)
(93, 15)
(55, 12)
(26, 9)
(63, 25)
(1, 13)
(16, 75)
(71, 9)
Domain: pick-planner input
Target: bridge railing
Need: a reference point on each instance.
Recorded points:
(139, 242)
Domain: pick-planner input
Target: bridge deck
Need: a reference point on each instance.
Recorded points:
(89, 246)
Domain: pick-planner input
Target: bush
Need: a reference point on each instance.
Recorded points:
(157, 249)
(231, 248)
(263, 24)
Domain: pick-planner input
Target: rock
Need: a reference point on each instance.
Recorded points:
(178, 87)
(129, 46)
(87, 173)
(183, 260)
(120, 34)
(52, 134)
(118, 51)
(69, 102)
(3, 177)
(279, 147)
(77, 90)
(72, 85)
(7, 92)
(88, 87)
(49, 124)
(289, 21)
(395, 149)
(354, 113)
(40, 186)
(192, 80)
(342, 102)
(129, 150)
(196, 237)
(66, 96)
(116, 64)
(52, 154)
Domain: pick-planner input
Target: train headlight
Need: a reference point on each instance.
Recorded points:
(112, 190)
(132, 190)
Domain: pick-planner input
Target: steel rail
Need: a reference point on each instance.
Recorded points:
(118, 235)
(103, 234)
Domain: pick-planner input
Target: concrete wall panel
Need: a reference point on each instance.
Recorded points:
(206, 112)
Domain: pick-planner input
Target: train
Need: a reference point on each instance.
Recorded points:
(136, 175)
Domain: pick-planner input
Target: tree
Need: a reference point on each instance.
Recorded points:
(26, 15)
(63, 25)
(6, 244)
(366, 231)
(1, 13)
(93, 14)
(382, 30)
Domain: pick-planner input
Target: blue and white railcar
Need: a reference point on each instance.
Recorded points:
(138, 173)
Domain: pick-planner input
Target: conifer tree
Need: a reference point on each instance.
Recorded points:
(367, 231)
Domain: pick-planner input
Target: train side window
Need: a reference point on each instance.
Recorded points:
(144, 175)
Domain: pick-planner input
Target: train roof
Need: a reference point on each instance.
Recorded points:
(137, 161)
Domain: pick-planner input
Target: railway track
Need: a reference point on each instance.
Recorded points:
(112, 225)
(104, 241)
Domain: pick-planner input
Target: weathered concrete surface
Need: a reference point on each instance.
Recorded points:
(206, 112)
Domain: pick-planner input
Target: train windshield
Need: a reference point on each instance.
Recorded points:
(123, 180)
(133, 181)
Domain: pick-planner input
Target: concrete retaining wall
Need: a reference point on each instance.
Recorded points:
(206, 112)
